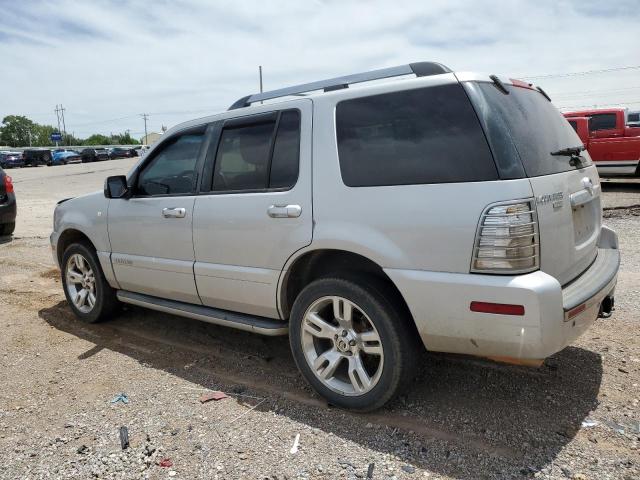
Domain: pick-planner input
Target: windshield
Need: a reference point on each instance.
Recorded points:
(524, 125)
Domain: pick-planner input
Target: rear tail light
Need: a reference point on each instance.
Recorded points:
(507, 239)
(8, 184)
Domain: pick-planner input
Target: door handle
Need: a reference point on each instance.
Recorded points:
(284, 211)
(174, 212)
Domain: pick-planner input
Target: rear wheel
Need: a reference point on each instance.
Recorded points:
(352, 342)
(89, 295)
(7, 228)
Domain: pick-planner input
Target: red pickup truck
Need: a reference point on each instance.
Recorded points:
(613, 145)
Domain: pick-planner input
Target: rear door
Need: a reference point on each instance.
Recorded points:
(254, 208)
(568, 197)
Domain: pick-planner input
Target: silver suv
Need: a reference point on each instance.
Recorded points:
(367, 217)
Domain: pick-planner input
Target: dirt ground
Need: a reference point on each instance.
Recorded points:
(465, 418)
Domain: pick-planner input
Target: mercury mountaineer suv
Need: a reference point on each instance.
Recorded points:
(368, 217)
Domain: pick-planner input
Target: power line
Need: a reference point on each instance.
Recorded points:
(587, 72)
(602, 105)
(581, 93)
(105, 121)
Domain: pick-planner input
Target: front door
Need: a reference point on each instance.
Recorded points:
(254, 208)
(150, 233)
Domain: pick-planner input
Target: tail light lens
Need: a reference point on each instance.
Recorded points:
(507, 239)
(8, 184)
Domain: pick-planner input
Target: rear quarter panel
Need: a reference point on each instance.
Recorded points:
(422, 227)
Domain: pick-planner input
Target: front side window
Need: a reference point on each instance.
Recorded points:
(172, 171)
(427, 135)
(602, 121)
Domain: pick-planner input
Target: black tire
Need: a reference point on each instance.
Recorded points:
(7, 228)
(106, 303)
(390, 319)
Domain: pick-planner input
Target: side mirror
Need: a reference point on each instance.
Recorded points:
(116, 187)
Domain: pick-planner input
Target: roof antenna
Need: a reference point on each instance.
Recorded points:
(260, 74)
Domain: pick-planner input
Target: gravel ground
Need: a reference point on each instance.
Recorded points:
(465, 418)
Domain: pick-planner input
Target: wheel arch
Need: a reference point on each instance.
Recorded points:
(69, 236)
(318, 263)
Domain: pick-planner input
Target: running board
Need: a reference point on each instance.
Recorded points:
(240, 321)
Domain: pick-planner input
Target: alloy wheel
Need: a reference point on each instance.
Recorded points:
(342, 346)
(81, 283)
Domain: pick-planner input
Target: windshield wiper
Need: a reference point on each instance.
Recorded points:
(569, 151)
(573, 152)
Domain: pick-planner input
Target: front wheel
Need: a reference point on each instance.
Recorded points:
(352, 342)
(89, 295)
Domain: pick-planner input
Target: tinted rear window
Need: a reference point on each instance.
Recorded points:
(602, 121)
(525, 125)
(427, 135)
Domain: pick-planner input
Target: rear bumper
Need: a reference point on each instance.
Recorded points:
(8, 209)
(553, 316)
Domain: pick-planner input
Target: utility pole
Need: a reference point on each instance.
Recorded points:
(260, 75)
(145, 116)
(57, 110)
(64, 127)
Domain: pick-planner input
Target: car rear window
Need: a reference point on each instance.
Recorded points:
(602, 121)
(523, 124)
(426, 135)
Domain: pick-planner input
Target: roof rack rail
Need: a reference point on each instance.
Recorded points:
(419, 69)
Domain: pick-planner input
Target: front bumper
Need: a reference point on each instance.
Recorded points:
(53, 240)
(8, 209)
(554, 316)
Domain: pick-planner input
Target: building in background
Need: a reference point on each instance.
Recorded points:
(150, 138)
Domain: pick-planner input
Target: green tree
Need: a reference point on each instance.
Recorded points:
(16, 131)
(42, 135)
(97, 139)
(124, 139)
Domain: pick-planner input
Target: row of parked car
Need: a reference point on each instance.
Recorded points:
(34, 157)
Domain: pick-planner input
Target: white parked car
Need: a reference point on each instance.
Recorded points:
(367, 216)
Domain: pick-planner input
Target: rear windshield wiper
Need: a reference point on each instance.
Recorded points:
(569, 151)
(573, 152)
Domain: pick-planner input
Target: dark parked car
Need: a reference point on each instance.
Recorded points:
(121, 152)
(94, 155)
(37, 156)
(11, 160)
(7, 205)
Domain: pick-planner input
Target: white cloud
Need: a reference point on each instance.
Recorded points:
(112, 59)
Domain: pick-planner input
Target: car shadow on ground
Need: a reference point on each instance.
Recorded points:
(6, 239)
(620, 185)
(463, 417)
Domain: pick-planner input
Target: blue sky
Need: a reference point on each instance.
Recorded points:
(108, 61)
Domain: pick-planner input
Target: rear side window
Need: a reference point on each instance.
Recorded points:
(602, 121)
(258, 156)
(243, 157)
(574, 125)
(427, 135)
(286, 151)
